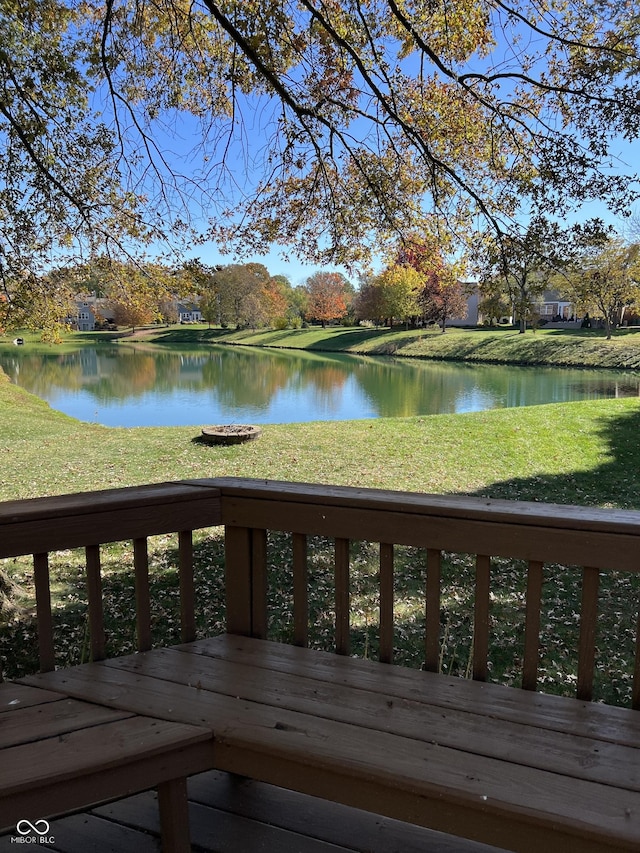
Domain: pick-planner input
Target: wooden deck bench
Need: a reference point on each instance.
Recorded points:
(518, 770)
(500, 765)
(59, 754)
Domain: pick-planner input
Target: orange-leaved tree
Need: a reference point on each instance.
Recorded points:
(328, 297)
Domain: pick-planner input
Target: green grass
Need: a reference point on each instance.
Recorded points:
(551, 347)
(559, 347)
(571, 453)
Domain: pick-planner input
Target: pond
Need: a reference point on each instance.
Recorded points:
(130, 386)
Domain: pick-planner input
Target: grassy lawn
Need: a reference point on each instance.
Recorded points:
(559, 347)
(571, 348)
(571, 453)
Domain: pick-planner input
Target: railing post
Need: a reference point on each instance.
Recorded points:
(43, 606)
(432, 636)
(94, 594)
(245, 581)
(481, 618)
(143, 602)
(187, 592)
(532, 626)
(386, 602)
(588, 625)
(342, 596)
(300, 591)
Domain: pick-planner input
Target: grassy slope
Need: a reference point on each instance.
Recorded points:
(570, 453)
(574, 348)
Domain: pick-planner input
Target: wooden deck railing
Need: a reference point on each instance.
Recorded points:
(89, 520)
(595, 540)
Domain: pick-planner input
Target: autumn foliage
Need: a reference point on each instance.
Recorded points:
(327, 297)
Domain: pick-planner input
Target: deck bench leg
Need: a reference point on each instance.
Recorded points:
(174, 816)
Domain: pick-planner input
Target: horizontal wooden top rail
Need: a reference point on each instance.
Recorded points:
(46, 524)
(570, 535)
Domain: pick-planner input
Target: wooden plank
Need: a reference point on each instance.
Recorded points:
(520, 828)
(501, 538)
(187, 590)
(94, 595)
(217, 831)
(588, 625)
(386, 603)
(443, 787)
(532, 626)
(157, 760)
(341, 575)
(259, 584)
(432, 635)
(143, 598)
(89, 751)
(53, 719)
(300, 591)
(481, 618)
(465, 731)
(91, 518)
(556, 713)
(462, 507)
(327, 821)
(45, 619)
(88, 833)
(14, 697)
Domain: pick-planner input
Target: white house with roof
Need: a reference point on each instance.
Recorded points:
(189, 313)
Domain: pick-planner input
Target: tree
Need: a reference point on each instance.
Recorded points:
(373, 117)
(521, 265)
(327, 297)
(241, 292)
(397, 293)
(606, 281)
(136, 292)
(442, 297)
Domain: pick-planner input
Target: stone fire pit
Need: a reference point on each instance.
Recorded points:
(230, 433)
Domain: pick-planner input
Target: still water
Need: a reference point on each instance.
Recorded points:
(127, 386)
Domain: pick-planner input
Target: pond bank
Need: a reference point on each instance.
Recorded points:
(551, 348)
(546, 347)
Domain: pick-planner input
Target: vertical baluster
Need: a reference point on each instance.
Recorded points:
(588, 623)
(635, 693)
(187, 592)
(432, 635)
(386, 603)
(300, 591)
(342, 595)
(532, 626)
(94, 594)
(143, 599)
(45, 619)
(481, 618)
(259, 584)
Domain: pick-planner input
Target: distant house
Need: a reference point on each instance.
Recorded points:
(473, 317)
(189, 313)
(89, 310)
(553, 307)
